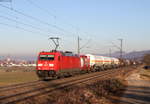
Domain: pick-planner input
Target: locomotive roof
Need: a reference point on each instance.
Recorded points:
(66, 53)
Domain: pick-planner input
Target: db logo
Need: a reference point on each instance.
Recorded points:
(45, 64)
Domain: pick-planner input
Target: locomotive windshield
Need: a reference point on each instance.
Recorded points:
(46, 57)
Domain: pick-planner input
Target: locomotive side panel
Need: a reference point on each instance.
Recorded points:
(70, 62)
(51, 64)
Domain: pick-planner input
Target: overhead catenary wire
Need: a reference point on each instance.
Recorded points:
(54, 16)
(47, 12)
(35, 19)
(21, 28)
(44, 10)
(39, 20)
(29, 25)
(71, 25)
(84, 45)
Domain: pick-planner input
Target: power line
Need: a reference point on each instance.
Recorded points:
(46, 11)
(83, 46)
(119, 47)
(114, 45)
(29, 24)
(37, 6)
(18, 22)
(54, 16)
(32, 26)
(34, 18)
(8, 25)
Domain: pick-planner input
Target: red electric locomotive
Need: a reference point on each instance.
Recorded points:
(57, 63)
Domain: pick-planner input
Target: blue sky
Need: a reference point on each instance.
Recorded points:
(97, 22)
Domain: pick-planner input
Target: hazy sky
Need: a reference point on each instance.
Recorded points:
(97, 22)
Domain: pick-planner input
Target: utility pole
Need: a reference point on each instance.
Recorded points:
(78, 45)
(110, 52)
(121, 46)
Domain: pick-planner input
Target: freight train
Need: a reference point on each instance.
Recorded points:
(56, 64)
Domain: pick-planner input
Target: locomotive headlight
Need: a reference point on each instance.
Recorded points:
(51, 65)
(40, 64)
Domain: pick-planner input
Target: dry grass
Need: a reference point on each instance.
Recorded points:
(145, 74)
(107, 87)
(96, 93)
(17, 69)
(17, 76)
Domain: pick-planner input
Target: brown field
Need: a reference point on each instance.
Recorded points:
(145, 74)
(15, 77)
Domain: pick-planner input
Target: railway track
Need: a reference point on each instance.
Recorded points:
(14, 94)
(10, 87)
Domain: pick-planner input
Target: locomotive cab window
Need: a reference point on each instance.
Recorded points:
(46, 57)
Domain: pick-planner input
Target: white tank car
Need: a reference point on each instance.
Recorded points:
(115, 62)
(102, 61)
(95, 60)
(107, 61)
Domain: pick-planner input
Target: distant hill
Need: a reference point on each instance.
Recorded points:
(132, 55)
(138, 55)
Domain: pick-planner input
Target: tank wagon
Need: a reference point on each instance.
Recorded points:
(101, 62)
(115, 62)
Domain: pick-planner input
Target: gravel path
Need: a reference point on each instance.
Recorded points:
(137, 92)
